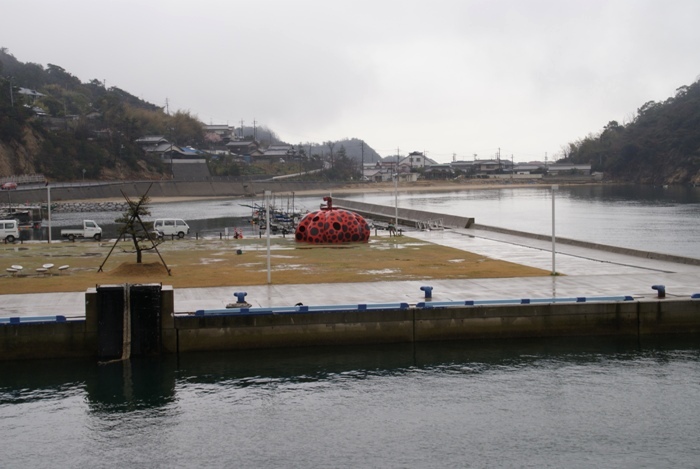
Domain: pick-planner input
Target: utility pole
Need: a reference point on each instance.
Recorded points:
(255, 133)
(267, 232)
(12, 96)
(396, 191)
(362, 168)
(554, 244)
(48, 207)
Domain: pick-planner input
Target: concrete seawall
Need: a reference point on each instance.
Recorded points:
(408, 217)
(211, 188)
(190, 333)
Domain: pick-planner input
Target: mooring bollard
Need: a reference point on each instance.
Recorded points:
(661, 289)
(241, 296)
(428, 292)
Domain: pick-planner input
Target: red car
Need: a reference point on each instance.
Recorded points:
(8, 186)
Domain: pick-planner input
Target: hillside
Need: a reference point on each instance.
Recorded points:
(660, 146)
(51, 123)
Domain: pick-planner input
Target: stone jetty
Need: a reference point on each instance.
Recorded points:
(77, 207)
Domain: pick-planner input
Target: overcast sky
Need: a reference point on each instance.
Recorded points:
(447, 77)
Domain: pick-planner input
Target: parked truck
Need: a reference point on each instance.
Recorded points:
(90, 230)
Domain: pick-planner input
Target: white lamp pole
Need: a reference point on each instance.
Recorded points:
(48, 207)
(396, 199)
(267, 231)
(554, 243)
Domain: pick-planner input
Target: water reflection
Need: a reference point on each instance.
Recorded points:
(153, 381)
(130, 385)
(114, 387)
(479, 402)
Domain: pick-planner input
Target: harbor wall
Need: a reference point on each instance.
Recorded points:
(184, 333)
(406, 216)
(163, 188)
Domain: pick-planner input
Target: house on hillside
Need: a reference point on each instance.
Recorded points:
(277, 154)
(151, 141)
(158, 145)
(30, 95)
(243, 147)
(223, 132)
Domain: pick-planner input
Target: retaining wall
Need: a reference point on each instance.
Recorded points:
(211, 188)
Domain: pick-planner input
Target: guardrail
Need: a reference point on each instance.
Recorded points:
(250, 311)
(301, 309)
(32, 319)
(521, 301)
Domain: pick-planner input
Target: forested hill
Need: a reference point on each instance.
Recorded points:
(660, 146)
(52, 123)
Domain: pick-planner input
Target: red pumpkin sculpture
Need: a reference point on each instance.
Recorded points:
(332, 225)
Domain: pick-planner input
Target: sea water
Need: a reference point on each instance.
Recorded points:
(519, 403)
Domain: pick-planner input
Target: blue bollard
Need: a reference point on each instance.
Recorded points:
(241, 296)
(428, 292)
(661, 289)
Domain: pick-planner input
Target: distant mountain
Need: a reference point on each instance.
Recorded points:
(660, 146)
(355, 149)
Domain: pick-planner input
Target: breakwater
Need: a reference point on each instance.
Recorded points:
(406, 216)
(149, 324)
(81, 207)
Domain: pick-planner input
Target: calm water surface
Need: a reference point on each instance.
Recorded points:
(581, 403)
(638, 217)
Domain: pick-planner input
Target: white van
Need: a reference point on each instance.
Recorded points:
(171, 227)
(9, 230)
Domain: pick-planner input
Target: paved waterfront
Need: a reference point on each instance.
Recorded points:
(583, 272)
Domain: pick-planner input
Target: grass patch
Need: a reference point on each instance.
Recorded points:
(215, 263)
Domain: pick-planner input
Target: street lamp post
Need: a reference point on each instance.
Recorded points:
(396, 199)
(48, 208)
(267, 232)
(554, 248)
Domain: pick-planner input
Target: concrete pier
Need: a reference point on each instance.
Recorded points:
(416, 323)
(583, 271)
